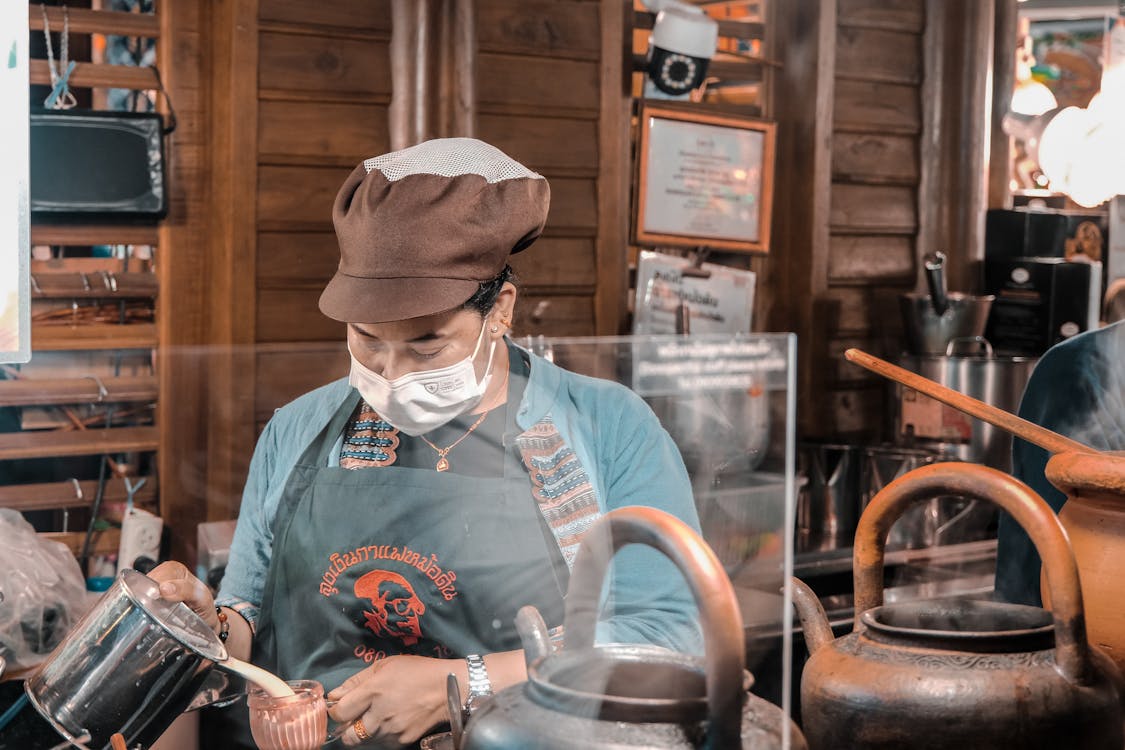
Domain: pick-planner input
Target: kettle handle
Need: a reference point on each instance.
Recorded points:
(723, 637)
(1072, 651)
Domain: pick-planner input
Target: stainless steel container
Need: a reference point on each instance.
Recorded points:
(828, 504)
(930, 333)
(921, 422)
(131, 665)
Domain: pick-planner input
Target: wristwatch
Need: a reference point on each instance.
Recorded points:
(480, 688)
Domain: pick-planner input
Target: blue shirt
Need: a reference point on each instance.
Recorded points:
(628, 456)
(1078, 390)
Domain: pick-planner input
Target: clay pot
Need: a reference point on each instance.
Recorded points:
(1094, 519)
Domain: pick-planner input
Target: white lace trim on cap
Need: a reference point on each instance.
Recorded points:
(450, 157)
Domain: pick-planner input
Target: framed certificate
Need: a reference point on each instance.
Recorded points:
(703, 179)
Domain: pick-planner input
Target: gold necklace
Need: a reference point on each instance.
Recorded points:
(443, 462)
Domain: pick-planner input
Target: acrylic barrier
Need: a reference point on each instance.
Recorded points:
(728, 404)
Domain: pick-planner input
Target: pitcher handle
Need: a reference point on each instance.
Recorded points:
(723, 637)
(1072, 651)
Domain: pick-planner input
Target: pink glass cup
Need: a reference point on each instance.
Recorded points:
(296, 722)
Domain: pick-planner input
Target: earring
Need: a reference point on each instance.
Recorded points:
(494, 329)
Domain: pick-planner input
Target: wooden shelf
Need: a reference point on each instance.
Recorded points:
(105, 542)
(92, 442)
(93, 285)
(60, 338)
(730, 28)
(94, 234)
(31, 392)
(51, 495)
(98, 75)
(95, 21)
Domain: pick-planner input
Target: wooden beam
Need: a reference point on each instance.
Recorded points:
(61, 338)
(105, 542)
(98, 75)
(83, 21)
(98, 285)
(29, 391)
(93, 234)
(52, 495)
(93, 442)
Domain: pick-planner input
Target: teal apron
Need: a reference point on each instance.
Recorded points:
(373, 562)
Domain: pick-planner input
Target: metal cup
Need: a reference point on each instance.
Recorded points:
(828, 504)
(131, 665)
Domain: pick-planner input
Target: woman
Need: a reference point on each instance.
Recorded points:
(394, 522)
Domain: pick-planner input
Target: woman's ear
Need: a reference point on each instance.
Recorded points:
(500, 318)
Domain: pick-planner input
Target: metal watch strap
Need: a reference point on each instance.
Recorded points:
(479, 685)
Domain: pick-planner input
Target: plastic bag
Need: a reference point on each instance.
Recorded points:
(42, 592)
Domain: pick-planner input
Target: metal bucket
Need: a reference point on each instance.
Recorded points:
(828, 504)
(131, 665)
(929, 333)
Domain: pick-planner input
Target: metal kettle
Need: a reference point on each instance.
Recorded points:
(628, 696)
(957, 673)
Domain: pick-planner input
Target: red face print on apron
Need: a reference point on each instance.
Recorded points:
(396, 609)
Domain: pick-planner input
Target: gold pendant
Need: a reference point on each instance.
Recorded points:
(442, 464)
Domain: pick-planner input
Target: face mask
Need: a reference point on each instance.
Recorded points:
(419, 402)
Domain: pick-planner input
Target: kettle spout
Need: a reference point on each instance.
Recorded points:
(533, 634)
(813, 619)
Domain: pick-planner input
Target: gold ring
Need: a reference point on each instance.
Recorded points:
(360, 730)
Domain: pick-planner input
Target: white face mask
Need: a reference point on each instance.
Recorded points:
(419, 402)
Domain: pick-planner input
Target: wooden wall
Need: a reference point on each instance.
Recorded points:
(878, 117)
(300, 93)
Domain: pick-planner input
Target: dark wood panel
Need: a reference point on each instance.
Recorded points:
(543, 143)
(293, 315)
(61, 338)
(546, 28)
(841, 372)
(574, 205)
(97, 75)
(93, 234)
(551, 315)
(537, 82)
(555, 262)
(872, 158)
(294, 260)
(372, 15)
(31, 391)
(865, 106)
(306, 63)
(900, 15)
(859, 259)
(298, 195)
(862, 311)
(877, 55)
(873, 209)
(350, 131)
(285, 371)
(47, 495)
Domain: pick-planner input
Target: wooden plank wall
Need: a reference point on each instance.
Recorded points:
(301, 93)
(873, 216)
(539, 90)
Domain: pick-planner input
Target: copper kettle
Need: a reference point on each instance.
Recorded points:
(628, 696)
(956, 673)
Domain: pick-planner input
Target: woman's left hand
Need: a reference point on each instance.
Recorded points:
(399, 699)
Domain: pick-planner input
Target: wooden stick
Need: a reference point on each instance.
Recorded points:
(118, 742)
(1050, 441)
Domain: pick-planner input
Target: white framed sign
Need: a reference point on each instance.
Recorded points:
(704, 180)
(15, 320)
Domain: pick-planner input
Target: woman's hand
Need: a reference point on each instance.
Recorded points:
(399, 699)
(177, 584)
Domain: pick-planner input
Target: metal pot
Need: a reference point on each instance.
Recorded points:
(131, 665)
(628, 696)
(956, 673)
(920, 421)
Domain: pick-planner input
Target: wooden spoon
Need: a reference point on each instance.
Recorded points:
(1050, 441)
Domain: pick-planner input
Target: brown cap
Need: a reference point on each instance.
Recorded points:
(421, 228)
